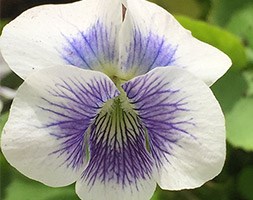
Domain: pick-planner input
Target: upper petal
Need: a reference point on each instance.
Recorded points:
(82, 34)
(45, 136)
(151, 37)
(184, 123)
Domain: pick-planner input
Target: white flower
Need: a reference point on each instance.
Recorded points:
(114, 103)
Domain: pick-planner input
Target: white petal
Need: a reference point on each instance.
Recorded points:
(113, 191)
(82, 34)
(184, 123)
(45, 135)
(153, 38)
(119, 164)
(7, 93)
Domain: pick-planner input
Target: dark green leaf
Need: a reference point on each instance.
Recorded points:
(245, 183)
(193, 8)
(5, 176)
(2, 24)
(3, 120)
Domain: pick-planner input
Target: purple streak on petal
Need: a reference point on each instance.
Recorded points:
(117, 151)
(160, 108)
(73, 105)
(92, 48)
(148, 52)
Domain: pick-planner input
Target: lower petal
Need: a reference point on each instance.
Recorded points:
(45, 137)
(141, 190)
(120, 165)
(184, 123)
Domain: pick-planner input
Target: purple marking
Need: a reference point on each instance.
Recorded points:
(91, 49)
(148, 52)
(117, 145)
(159, 107)
(72, 106)
(119, 156)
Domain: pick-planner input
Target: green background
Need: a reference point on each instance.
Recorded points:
(225, 24)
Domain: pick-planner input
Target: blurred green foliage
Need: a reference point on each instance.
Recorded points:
(26, 190)
(216, 36)
(239, 124)
(227, 25)
(245, 182)
(223, 10)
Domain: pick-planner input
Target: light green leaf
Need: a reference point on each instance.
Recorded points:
(22, 189)
(240, 124)
(228, 91)
(241, 24)
(245, 183)
(155, 196)
(221, 39)
(239, 119)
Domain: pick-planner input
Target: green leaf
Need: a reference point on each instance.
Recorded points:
(248, 76)
(22, 189)
(2, 24)
(239, 118)
(161, 194)
(12, 80)
(222, 10)
(3, 120)
(249, 53)
(228, 91)
(212, 190)
(245, 183)
(193, 8)
(244, 17)
(221, 39)
(156, 195)
(5, 175)
(241, 24)
(239, 124)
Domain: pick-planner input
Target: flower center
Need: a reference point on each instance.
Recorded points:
(119, 104)
(120, 115)
(116, 75)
